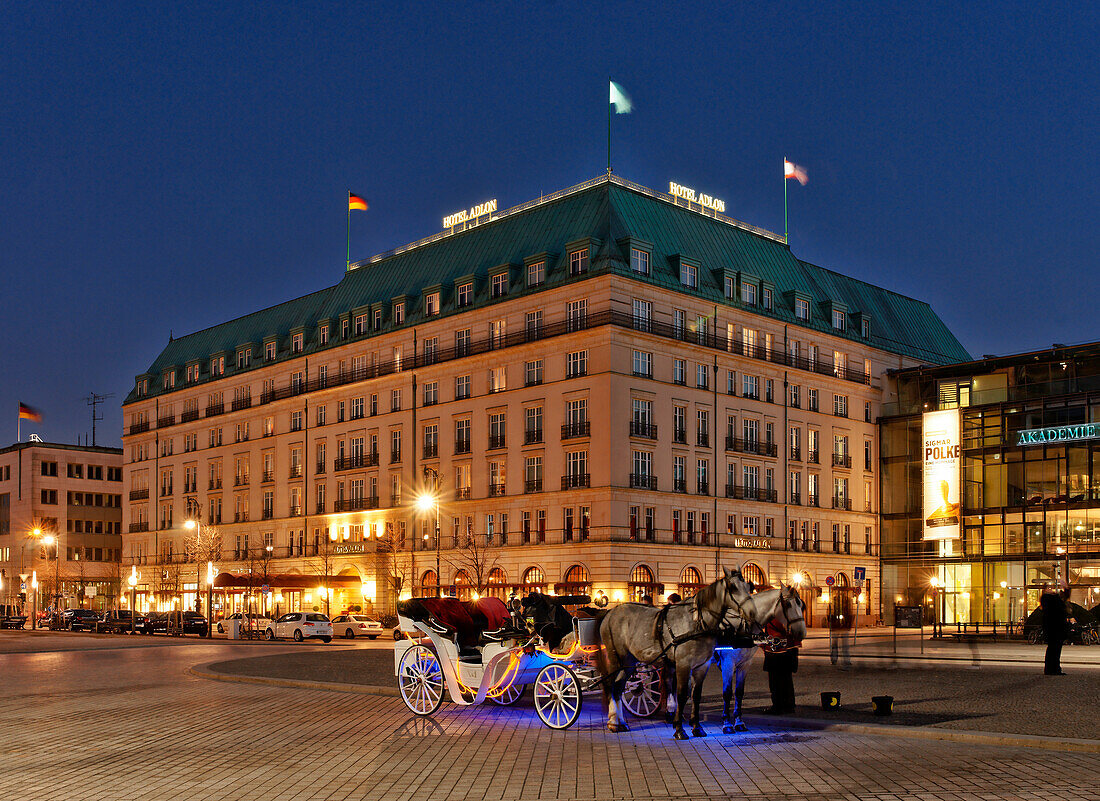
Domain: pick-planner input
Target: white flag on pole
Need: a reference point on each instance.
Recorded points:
(619, 99)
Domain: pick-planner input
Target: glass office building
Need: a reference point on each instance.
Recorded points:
(1028, 494)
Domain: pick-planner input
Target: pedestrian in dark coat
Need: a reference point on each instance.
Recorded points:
(780, 663)
(1054, 621)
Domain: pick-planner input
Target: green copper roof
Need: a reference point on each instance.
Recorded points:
(610, 214)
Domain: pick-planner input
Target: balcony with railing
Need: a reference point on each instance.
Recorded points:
(679, 485)
(355, 504)
(496, 490)
(643, 481)
(462, 493)
(319, 467)
(267, 477)
(532, 485)
(139, 527)
(241, 403)
(215, 409)
(139, 494)
(702, 439)
(750, 446)
(532, 436)
(167, 420)
(702, 487)
(295, 511)
(320, 508)
(796, 453)
(840, 502)
(215, 484)
(813, 499)
(680, 436)
(794, 498)
(576, 429)
(742, 492)
(640, 428)
(189, 415)
(842, 460)
(395, 455)
(497, 441)
(139, 428)
(268, 513)
(352, 462)
(295, 471)
(574, 481)
(462, 446)
(813, 457)
(431, 450)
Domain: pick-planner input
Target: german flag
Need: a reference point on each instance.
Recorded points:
(356, 202)
(29, 413)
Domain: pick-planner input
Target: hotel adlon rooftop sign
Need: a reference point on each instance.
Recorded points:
(469, 215)
(690, 195)
(1046, 436)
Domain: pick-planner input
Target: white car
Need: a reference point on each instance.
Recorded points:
(352, 626)
(258, 622)
(300, 626)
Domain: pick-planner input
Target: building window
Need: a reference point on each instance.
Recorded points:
(748, 294)
(536, 273)
(766, 298)
(498, 381)
(500, 285)
(750, 387)
(643, 315)
(376, 319)
(399, 312)
(840, 405)
(244, 359)
(839, 320)
(297, 342)
(727, 287)
(689, 275)
(431, 304)
(462, 342)
(465, 294)
(462, 387)
(865, 328)
(578, 262)
(322, 334)
(576, 314)
(639, 261)
(801, 309)
(576, 364)
(811, 399)
(496, 334)
(269, 351)
(532, 373)
(643, 364)
(395, 400)
(431, 393)
(701, 373)
(679, 371)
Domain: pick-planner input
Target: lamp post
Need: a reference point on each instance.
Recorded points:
(209, 599)
(34, 595)
(937, 617)
(268, 550)
(425, 503)
(52, 540)
(36, 533)
(132, 580)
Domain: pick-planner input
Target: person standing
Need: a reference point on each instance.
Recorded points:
(840, 626)
(780, 663)
(1054, 621)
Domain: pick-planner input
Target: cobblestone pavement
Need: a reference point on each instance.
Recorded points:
(131, 723)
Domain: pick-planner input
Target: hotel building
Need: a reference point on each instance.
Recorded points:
(606, 390)
(1027, 484)
(73, 495)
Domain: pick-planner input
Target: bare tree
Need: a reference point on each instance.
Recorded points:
(477, 557)
(201, 545)
(395, 561)
(325, 556)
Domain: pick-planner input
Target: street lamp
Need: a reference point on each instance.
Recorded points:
(209, 599)
(935, 584)
(425, 503)
(52, 540)
(34, 595)
(132, 580)
(268, 550)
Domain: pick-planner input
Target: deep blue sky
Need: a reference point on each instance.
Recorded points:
(166, 167)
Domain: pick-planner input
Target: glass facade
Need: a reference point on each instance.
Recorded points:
(1030, 486)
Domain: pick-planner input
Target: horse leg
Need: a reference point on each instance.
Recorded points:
(669, 674)
(613, 681)
(725, 665)
(683, 686)
(738, 723)
(698, 676)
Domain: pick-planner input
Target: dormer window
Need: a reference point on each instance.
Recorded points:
(143, 387)
(360, 324)
(269, 351)
(217, 367)
(399, 312)
(297, 342)
(536, 273)
(500, 285)
(465, 294)
(639, 261)
(802, 308)
(193, 373)
(766, 298)
(748, 294)
(578, 262)
(840, 320)
(377, 319)
(170, 379)
(244, 359)
(431, 304)
(865, 328)
(727, 287)
(689, 275)
(322, 334)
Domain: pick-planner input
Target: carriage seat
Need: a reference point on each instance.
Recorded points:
(471, 623)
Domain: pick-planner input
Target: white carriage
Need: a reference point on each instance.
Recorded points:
(480, 651)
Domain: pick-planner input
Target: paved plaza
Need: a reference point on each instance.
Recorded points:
(131, 722)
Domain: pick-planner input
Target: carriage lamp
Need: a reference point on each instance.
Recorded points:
(934, 582)
(475, 595)
(861, 598)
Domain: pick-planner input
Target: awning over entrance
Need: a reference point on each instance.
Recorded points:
(285, 581)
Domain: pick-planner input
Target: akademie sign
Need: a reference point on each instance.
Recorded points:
(1042, 436)
(942, 455)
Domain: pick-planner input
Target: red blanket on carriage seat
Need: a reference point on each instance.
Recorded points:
(468, 618)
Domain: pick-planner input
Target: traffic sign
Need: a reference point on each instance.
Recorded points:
(829, 581)
(22, 585)
(265, 589)
(860, 574)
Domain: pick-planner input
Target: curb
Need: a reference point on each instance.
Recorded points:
(913, 732)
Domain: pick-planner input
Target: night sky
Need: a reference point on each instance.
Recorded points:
(166, 167)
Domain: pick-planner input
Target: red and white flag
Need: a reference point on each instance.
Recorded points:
(792, 170)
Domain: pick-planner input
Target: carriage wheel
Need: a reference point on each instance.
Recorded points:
(509, 695)
(644, 693)
(420, 679)
(558, 696)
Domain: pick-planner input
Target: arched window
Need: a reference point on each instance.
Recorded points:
(495, 583)
(463, 585)
(641, 575)
(577, 574)
(807, 579)
(754, 573)
(691, 581)
(643, 583)
(842, 580)
(533, 576)
(429, 584)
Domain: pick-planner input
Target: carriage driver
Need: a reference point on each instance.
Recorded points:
(780, 663)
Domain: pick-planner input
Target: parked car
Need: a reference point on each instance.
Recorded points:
(79, 619)
(121, 621)
(144, 625)
(12, 617)
(300, 626)
(352, 626)
(192, 623)
(258, 622)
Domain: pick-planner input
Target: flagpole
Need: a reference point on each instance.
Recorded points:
(348, 267)
(609, 127)
(786, 228)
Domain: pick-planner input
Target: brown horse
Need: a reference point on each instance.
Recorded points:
(680, 635)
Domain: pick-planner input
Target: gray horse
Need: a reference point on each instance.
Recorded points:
(681, 635)
(782, 605)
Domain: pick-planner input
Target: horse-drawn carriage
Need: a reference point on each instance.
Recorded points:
(482, 650)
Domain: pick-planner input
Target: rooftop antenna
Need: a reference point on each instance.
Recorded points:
(94, 400)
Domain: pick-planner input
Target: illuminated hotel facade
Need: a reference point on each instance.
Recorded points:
(607, 390)
(1027, 485)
